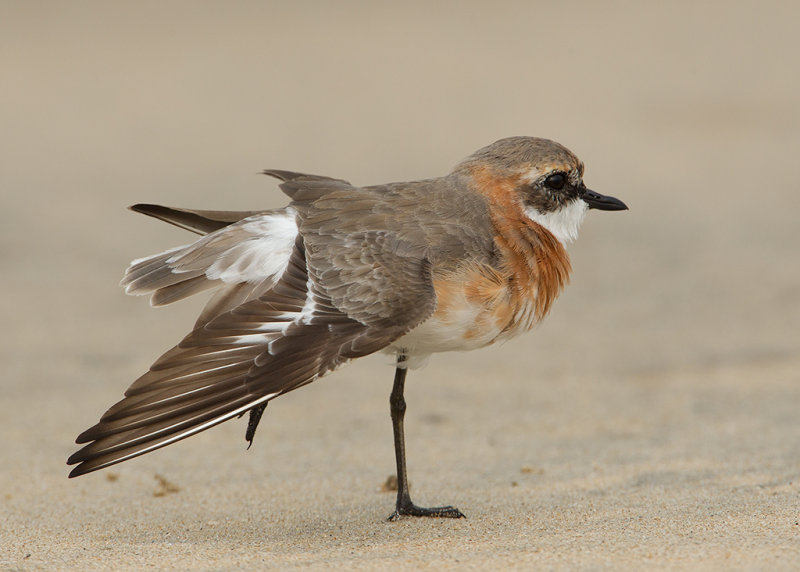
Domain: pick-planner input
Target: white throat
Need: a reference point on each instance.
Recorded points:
(563, 223)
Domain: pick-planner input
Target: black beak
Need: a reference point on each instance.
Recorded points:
(603, 202)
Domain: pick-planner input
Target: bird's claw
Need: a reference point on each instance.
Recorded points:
(411, 509)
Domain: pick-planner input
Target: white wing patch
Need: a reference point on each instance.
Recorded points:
(254, 251)
(264, 255)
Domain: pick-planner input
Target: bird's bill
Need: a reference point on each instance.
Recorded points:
(603, 202)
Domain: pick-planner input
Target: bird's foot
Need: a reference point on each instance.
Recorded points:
(410, 509)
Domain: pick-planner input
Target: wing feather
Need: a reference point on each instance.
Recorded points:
(241, 260)
(201, 222)
(347, 288)
(239, 360)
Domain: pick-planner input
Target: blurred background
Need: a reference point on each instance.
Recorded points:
(687, 111)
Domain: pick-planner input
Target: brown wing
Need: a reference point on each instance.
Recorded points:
(370, 249)
(359, 277)
(243, 358)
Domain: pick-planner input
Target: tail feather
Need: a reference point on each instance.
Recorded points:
(199, 221)
(180, 290)
(241, 260)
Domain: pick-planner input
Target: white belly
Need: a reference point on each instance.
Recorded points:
(460, 332)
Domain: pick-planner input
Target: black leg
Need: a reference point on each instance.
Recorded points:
(404, 506)
(252, 424)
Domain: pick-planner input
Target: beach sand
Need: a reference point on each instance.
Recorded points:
(650, 422)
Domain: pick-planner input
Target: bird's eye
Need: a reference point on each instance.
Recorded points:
(556, 181)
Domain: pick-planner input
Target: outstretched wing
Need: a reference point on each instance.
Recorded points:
(311, 321)
(241, 256)
(240, 261)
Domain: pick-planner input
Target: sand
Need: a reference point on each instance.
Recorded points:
(650, 422)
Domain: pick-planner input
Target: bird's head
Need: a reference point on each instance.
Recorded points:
(542, 177)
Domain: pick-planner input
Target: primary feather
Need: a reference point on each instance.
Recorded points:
(282, 317)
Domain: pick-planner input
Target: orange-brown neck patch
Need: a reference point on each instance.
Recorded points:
(535, 262)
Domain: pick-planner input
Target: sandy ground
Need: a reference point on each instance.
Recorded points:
(651, 422)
